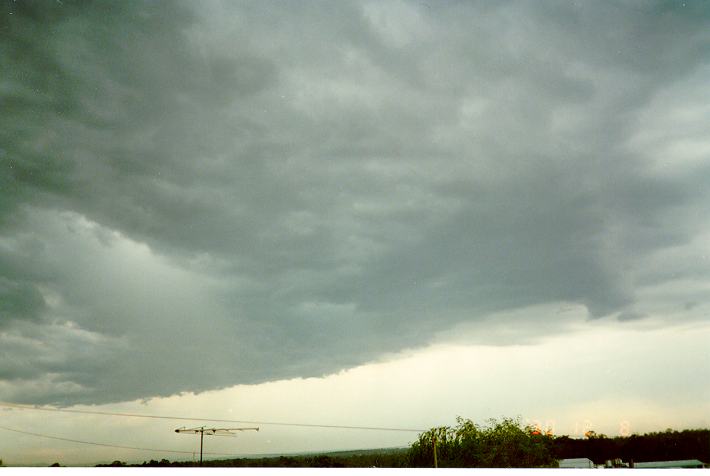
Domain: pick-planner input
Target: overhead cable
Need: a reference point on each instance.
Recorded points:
(107, 445)
(218, 420)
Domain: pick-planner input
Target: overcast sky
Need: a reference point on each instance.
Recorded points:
(202, 195)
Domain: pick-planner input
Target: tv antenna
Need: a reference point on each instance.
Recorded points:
(212, 432)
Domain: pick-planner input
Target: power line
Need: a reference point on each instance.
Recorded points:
(158, 450)
(218, 420)
(107, 445)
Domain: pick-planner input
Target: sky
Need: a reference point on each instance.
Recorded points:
(367, 213)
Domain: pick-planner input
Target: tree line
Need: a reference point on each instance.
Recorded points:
(656, 446)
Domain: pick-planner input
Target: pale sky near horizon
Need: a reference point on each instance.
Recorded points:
(369, 213)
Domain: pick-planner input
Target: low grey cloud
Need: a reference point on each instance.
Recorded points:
(201, 195)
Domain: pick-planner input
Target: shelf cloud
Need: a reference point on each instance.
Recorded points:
(198, 195)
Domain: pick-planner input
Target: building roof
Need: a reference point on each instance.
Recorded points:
(680, 463)
(576, 463)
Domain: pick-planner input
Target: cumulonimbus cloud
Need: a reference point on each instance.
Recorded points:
(195, 196)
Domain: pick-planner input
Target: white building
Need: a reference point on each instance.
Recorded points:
(576, 463)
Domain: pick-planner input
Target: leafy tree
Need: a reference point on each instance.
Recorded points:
(500, 444)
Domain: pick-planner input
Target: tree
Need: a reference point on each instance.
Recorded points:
(500, 444)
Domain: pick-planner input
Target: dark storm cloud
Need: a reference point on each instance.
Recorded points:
(18, 300)
(215, 193)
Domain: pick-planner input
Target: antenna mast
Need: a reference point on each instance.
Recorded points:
(213, 432)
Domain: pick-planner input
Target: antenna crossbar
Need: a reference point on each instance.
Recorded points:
(202, 431)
